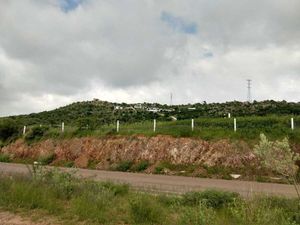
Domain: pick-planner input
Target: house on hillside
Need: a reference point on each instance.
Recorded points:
(138, 106)
(153, 110)
(118, 107)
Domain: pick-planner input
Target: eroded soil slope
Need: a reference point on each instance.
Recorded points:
(109, 150)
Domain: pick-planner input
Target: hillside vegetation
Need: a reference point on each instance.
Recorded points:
(98, 118)
(97, 113)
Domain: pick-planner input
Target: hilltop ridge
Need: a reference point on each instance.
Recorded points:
(98, 112)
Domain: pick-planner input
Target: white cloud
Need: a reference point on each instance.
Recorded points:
(126, 51)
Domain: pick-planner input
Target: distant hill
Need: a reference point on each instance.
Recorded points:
(96, 112)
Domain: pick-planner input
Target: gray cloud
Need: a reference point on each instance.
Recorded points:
(57, 51)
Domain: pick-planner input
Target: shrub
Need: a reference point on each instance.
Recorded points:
(92, 164)
(145, 210)
(279, 157)
(68, 163)
(47, 159)
(4, 158)
(124, 166)
(141, 166)
(8, 130)
(211, 198)
(62, 184)
(36, 133)
(159, 169)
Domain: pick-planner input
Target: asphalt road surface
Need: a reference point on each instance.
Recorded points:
(168, 184)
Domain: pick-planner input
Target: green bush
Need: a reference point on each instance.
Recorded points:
(141, 166)
(8, 130)
(4, 158)
(144, 210)
(68, 163)
(36, 133)
(63, 185)
(211, 198)
(47, 159)
(124, 166)
(158, 169)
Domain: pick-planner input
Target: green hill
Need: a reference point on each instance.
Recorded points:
(98, 118)
(97, 113)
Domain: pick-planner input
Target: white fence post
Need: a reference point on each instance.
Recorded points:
(193, 125)
(62, 127)
(24, 130)
(118, 126)
(234, 124)
(292, 124)
(154, 125)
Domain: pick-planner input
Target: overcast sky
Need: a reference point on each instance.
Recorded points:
(55, 52)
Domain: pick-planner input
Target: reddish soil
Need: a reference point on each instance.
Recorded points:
(109, 150)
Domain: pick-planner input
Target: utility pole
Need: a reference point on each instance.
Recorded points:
(171, 99)
(249, 90)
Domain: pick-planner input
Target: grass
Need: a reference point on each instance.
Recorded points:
(141, 166)
(88, 202)
(47, 159)
(4, 158)
(248, 129)
(126, 166)
(145, 210)
(211, 198)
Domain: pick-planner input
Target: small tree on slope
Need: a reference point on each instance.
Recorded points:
(279, 157)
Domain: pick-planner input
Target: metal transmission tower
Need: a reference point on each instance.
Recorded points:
(249, 90)
(171, 99)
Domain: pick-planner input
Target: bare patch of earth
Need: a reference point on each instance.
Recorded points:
(9, 218)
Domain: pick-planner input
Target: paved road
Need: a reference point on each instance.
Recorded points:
(171, 184)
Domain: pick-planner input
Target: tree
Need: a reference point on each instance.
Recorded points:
(279, 157)
(8, 130)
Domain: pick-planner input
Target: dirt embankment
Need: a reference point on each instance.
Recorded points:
(109, 150)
